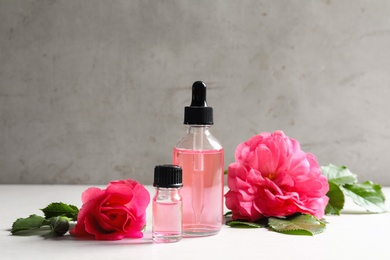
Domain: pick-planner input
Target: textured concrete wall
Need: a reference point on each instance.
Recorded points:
(92, 91)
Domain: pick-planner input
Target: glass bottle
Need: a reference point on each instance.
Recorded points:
(201, 158)
(167, 204)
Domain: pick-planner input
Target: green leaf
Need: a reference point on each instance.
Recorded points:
(225, 172)
(229, 213)
(367, 195)
(336, 199)
(338, 174)
(30, 223)
(297, 225)
(243, 224)
(61, 209)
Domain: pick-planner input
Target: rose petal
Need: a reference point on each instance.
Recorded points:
(117, 212)
(91, 194)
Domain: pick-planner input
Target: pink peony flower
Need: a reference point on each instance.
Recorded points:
(114, 213)
(273, 177)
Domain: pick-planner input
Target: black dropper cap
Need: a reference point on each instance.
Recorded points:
(198, 113)
(168, 176)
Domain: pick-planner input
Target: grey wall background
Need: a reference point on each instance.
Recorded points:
(92, 91)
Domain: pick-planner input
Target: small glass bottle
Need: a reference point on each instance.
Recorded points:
(167, 204)
(201, 157)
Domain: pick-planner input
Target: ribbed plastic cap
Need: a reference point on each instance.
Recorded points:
(198, 113)
(168, 176)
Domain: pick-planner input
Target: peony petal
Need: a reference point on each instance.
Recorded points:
(231, 200)
(284, 181)
(254, 178)
(272, 176)
(236, 172)
(267, 160)
(242, 152)
(299, 167)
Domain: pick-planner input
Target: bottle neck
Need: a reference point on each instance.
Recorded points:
(198, 129)
(163, 192)
(167, 190)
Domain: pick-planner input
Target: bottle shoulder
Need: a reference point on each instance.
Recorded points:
(194, 141)
(167, 195)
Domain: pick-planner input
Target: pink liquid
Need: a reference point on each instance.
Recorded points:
(167, 219)
(202, 191)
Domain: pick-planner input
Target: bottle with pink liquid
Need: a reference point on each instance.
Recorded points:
(167, 204)
(201, 158)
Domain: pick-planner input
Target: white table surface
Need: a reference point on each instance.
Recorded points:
(353, 235)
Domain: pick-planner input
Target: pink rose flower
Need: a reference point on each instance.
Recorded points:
(114, 213)
(273, 177)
